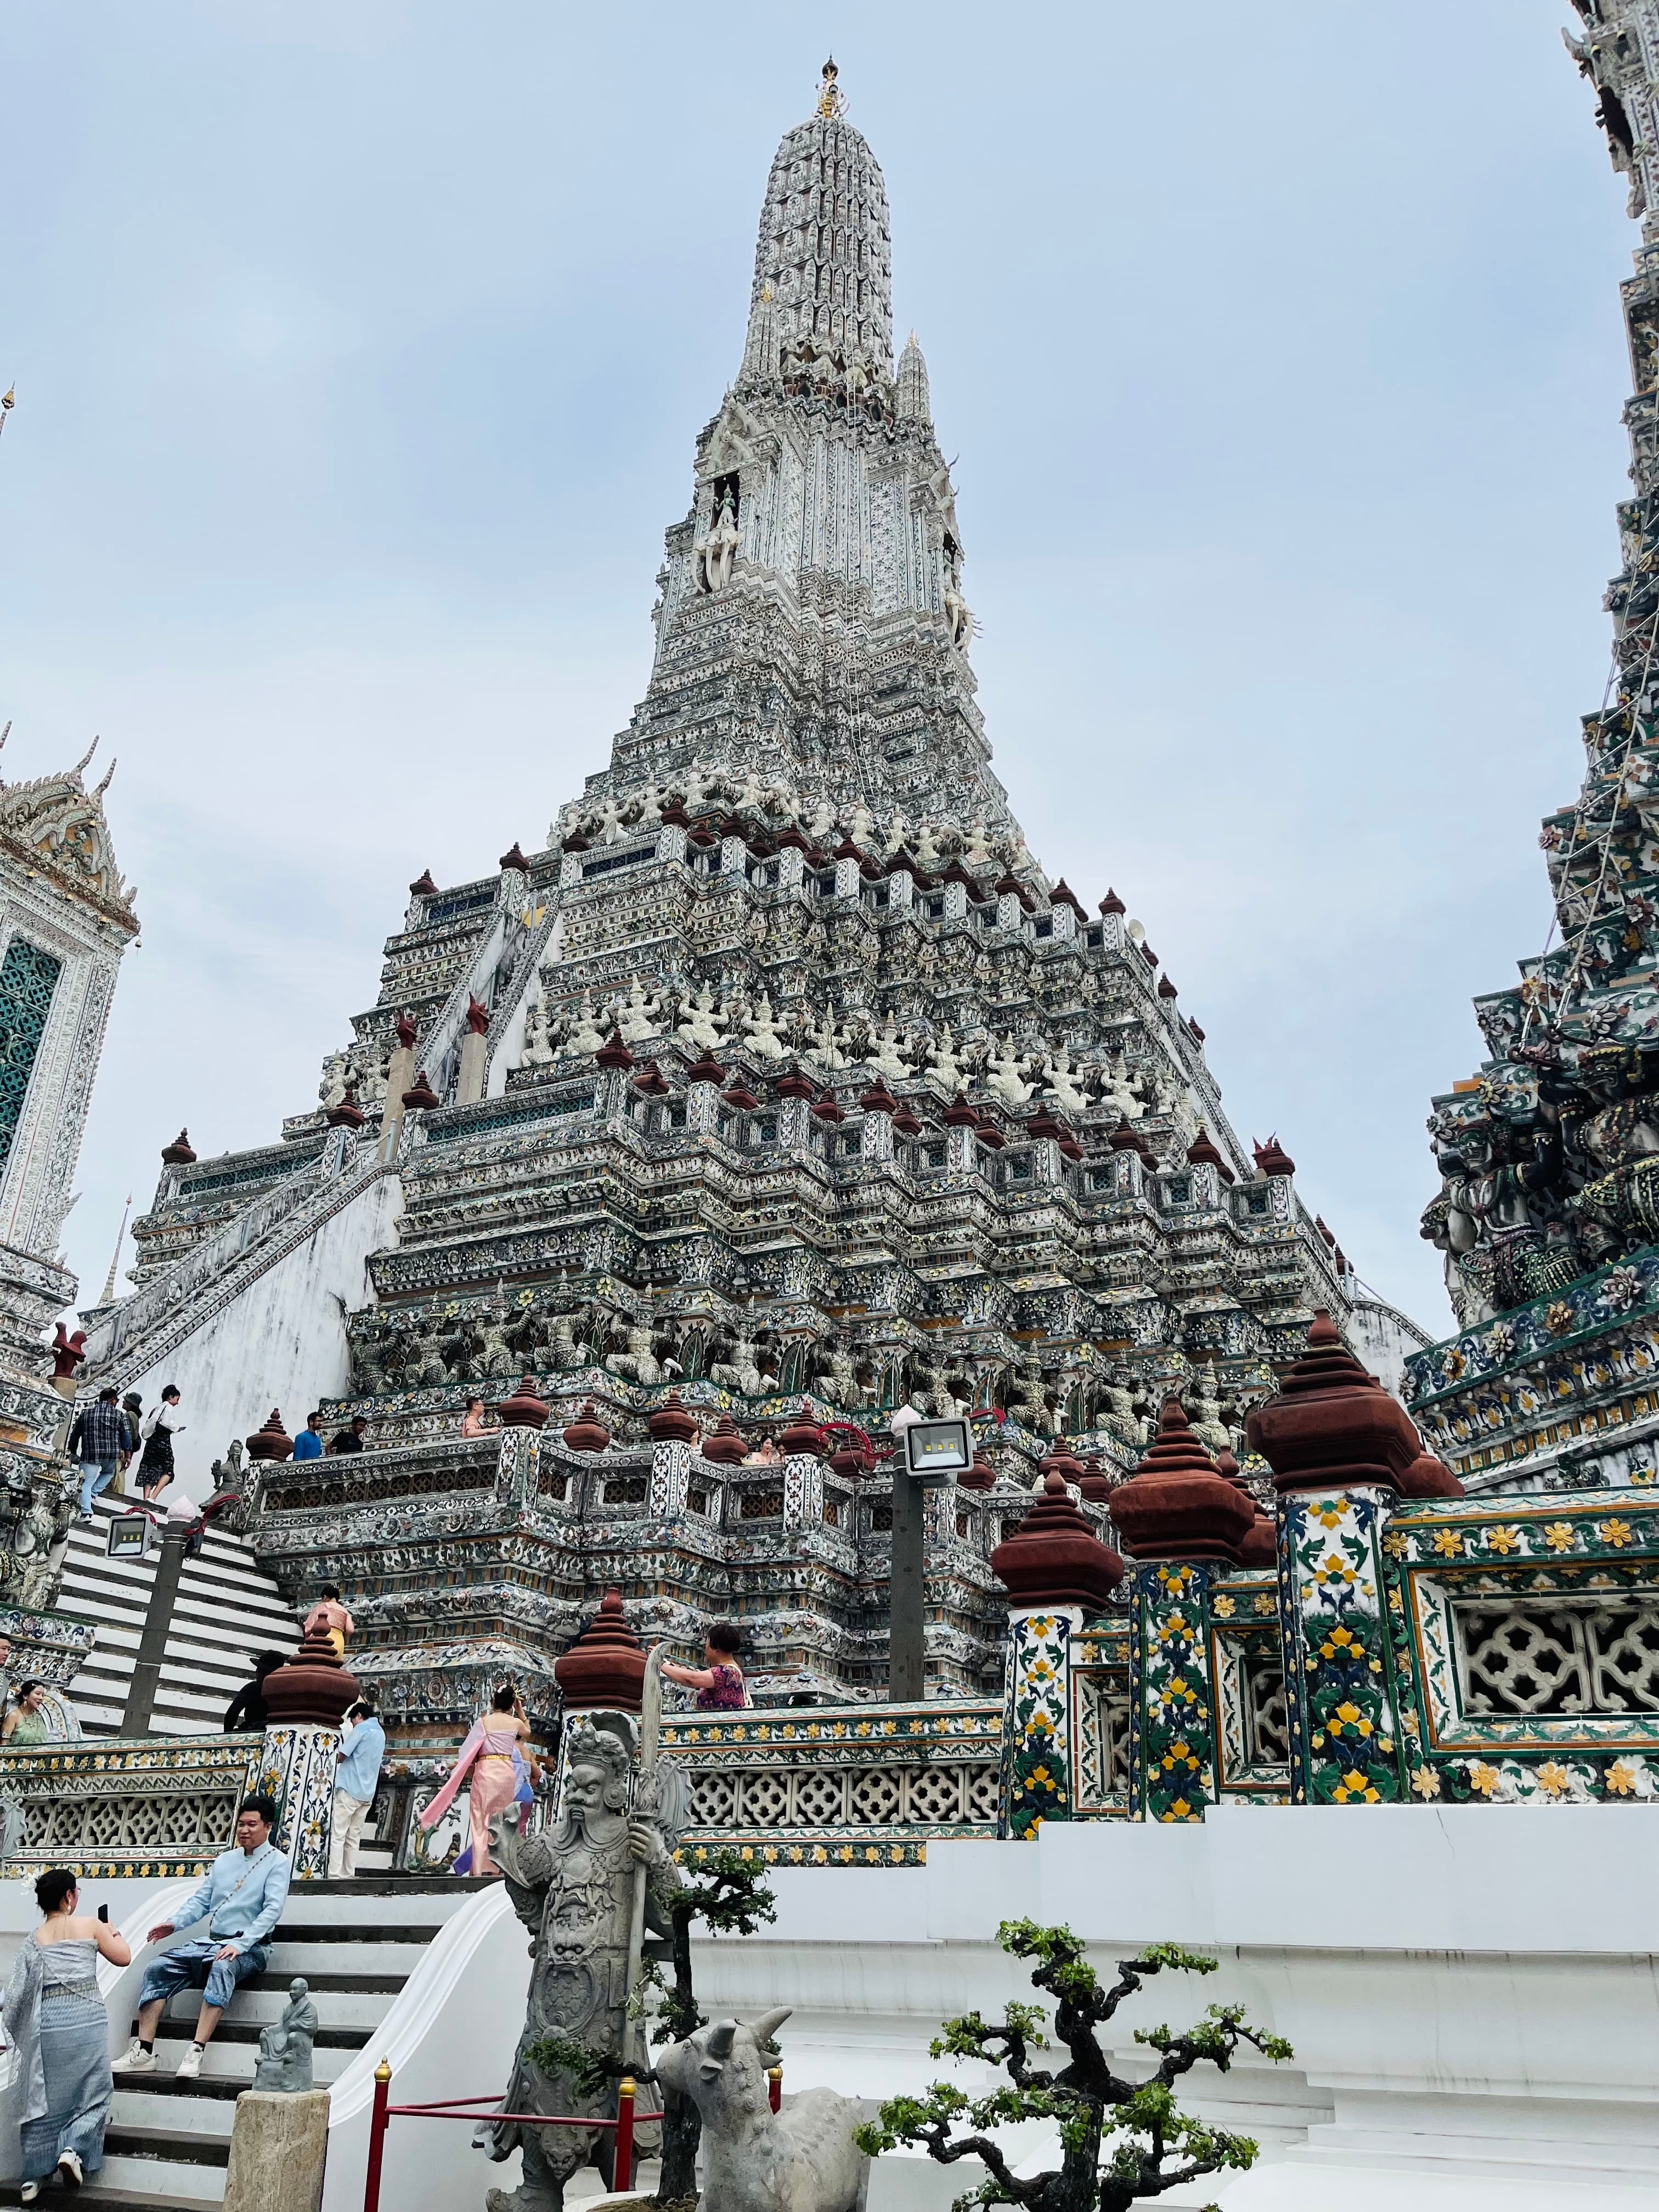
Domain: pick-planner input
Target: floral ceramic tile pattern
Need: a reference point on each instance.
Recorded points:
(1173, 1745)
(1344, 1738)
(1037, 1750)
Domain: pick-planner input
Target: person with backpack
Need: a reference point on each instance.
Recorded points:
(158, 1428)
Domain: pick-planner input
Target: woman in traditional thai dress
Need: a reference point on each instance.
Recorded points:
(491, 1763)
(55, 2019)
(27, 1722)
(720, 1686)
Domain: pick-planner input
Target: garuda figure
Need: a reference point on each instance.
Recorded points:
(573, 1887)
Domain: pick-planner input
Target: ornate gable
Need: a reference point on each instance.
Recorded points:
(57, 824)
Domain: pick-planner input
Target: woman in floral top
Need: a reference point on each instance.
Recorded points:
(719, 1685)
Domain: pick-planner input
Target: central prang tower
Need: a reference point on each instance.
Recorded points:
(780, 1077)
(811, 623)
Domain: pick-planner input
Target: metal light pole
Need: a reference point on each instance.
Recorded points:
(926, 1455)
(158, 1621)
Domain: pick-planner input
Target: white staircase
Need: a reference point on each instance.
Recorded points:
(356, 1943)
(228, 1611)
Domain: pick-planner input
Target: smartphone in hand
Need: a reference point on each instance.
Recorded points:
(103, 1914)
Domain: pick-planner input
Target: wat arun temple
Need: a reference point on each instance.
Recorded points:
(778, 1082)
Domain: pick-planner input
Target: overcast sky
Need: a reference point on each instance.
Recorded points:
(360, 351)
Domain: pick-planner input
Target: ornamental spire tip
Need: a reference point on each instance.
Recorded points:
(831, 103)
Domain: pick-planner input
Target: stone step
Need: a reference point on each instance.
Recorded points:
(143, 2175)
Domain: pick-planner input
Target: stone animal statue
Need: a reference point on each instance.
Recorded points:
(800, 2160)
(284, 2060)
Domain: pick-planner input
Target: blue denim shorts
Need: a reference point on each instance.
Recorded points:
(193, 1967)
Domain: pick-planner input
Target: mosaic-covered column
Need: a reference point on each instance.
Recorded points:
(1180, 1519)
(804, 1454)
(306, 1700)
(672, 1430)
(1342, 1452)
(1058, 1573)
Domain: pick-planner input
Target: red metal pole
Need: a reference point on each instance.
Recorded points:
(377, 2127)
(621, 2170)
(774, 2086)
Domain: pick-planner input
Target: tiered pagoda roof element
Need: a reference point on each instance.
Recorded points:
(791, 1087)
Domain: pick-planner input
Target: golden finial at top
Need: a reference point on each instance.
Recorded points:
(830, 102)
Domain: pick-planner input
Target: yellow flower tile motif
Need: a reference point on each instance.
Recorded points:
(1616, 1533)
(1502, 1540)
(1448, 1542)
(1621, 1778)
(1425, 1782)
(1329, 1515)
(1553, 1779)
(1354, 1790)
(1265, 1603)
(1395, 1545)
(1560, 1536)
(1482, 1777)
(1222, 1606)
(1337, 1571)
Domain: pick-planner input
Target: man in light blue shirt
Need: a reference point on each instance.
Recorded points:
(241, 1900)
(356, 1778)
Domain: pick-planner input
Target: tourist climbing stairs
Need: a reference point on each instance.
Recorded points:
(228, 1611)
(356, 1943)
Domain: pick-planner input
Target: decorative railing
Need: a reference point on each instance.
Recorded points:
(164, 1806)
(860, 1786)
(1527, 1646)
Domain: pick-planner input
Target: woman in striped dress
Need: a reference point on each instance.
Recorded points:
(55, 2018)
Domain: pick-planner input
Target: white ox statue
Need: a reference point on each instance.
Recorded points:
(800, 2160)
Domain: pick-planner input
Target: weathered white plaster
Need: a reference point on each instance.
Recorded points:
(281, 1342)
(1471, 1992)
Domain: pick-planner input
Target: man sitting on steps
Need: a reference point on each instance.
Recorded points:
(241, 1900)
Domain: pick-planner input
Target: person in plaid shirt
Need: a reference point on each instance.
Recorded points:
(98, 1440)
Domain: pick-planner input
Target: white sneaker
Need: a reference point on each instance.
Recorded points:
(68, 2169)
(135, 2060)
(29, 2193)
(191, 2064)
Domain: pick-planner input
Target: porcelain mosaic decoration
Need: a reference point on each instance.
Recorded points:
(778, 1073)
(1548, 1153)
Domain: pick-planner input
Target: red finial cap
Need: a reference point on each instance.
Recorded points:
(1112, 904)
(514, 859)
(1177, 1504)
(272, 1442)
(588, 1432)
(725, 1446)
(419, 1093)
(179, 1154)
(1055, 1558)
(423, 886)
(670, 1423)
(347, 1114)
(524, 1409)
(613, 1053)
(1202, 1153)
(1273, 1159)
(1331, 1424)
(604, 1670)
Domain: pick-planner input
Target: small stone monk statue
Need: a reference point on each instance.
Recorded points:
(284, 2061)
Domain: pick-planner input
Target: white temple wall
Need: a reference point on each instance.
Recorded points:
(1471, 1992)
(281, 1343)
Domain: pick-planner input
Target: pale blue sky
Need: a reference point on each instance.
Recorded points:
(360, 351)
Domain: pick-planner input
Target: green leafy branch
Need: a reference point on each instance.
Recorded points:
(1120, 2141)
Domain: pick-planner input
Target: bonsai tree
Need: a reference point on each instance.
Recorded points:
(1120, 2141)
(729, 1894)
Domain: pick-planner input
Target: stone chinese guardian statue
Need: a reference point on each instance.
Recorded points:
(573, 1887)
(285, 2048)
